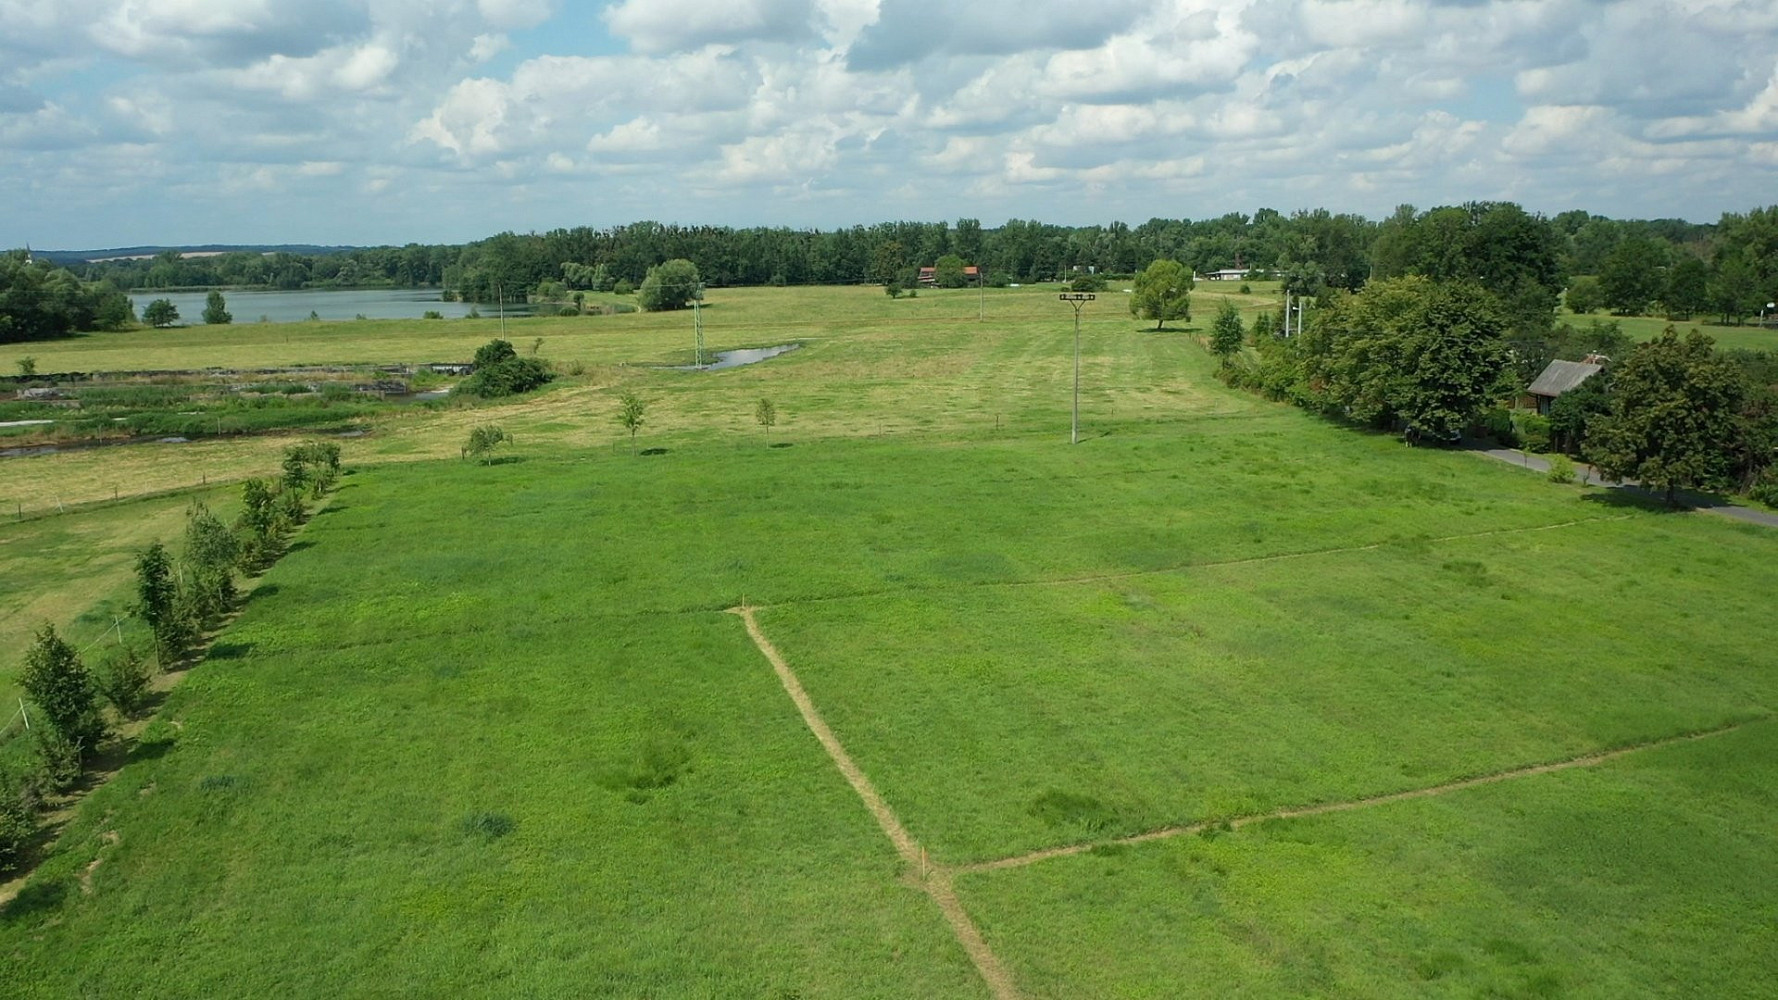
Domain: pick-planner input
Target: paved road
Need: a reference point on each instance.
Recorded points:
(1587, 474)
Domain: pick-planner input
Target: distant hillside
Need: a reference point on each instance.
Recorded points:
(206, 250)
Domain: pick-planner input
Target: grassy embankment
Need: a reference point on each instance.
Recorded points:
(1213, 607)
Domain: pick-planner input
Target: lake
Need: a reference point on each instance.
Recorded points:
(253, 306)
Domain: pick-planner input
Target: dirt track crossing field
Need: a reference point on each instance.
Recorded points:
(938, 879)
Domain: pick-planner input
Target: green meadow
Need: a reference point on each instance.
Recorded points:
(491, 730)
(1748, 337)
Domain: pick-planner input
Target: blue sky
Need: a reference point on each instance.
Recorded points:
(386, 121)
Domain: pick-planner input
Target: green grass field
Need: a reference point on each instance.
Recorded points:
(1749, 337)
(488, 730)
(76, 570)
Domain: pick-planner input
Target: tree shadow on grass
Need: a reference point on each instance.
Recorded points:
(1629, 498)
(34, 899)
(229, 651)
(150, 751)
(653, 451)
(782, 444)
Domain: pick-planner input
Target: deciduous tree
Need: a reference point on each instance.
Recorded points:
(1673, 416)
(59, 685)
(216, 310)
(1226, 333)
(1583, 295)
(1163, 292)
(1631, 278)
(157, 601)
(948, 272)
(482, 442)
(631, 413)
(160, 312)
(1688, 288)
(670, 285)
(211, 554)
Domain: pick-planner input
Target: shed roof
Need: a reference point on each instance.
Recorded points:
(1562, 376)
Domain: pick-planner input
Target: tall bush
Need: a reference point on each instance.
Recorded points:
(157, 601)
(211, 553)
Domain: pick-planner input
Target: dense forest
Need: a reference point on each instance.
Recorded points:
(1724, 271)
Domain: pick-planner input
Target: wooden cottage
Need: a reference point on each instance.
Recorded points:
(1558, 378)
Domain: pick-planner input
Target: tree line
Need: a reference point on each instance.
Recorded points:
(72, 708)
(1727, 269)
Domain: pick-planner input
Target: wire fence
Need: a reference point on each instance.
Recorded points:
(15, 511)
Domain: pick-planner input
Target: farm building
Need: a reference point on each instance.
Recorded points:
(1226, 274)
(929, 275)
(1560, 377)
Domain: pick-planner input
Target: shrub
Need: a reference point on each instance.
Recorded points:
(1498, 425)
(292, 509)
(58, 759)
(493, 352)
(508, 378)
(623, 287)
(18, 820)
(482, 441)
(632, 411)
(123, 680)
(432, 314)
(1533, 431)
(1087, 283)
(499, 371)
(1765, 488)
(1561, 469)
(1246, 289)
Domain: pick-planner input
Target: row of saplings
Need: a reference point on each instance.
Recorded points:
(180, 600)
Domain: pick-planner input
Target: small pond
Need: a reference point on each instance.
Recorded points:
(739, 357)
